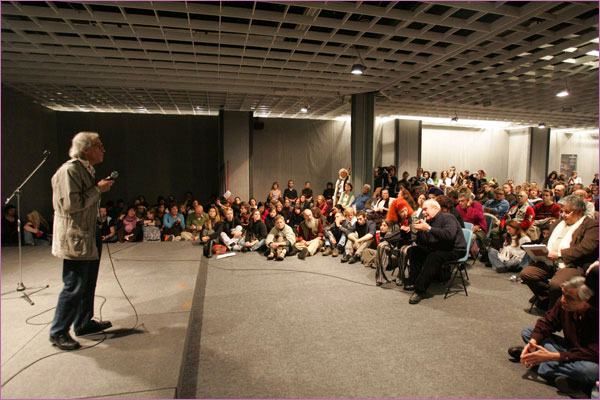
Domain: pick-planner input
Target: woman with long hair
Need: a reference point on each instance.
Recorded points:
(445, 179)
(275, 193)
(510, 255)
(35, 230)
(551, 180)
(321, 204)
(256, 234)
(208, 229)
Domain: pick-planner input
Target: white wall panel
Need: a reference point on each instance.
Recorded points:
(584, 145)
(518, 155)
(465, 148)
(301, 150)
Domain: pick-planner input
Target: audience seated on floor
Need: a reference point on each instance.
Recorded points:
(230, 231)
(256, 233)
(129, 227)
(151, 227)
(572, 247)
(521, 212)
(36, 230)
(107, 227)
(309, 235)
(280, 240)
(509, 257)
(570, 361)
(360, 236)
(335, 238)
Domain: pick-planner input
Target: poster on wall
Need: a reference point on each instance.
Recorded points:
(568, 164)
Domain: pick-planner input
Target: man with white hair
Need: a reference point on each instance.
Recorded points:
(439, 239)
(76, 197)
(559, 192)
(360, 200)
(571, 360)
(310, 235)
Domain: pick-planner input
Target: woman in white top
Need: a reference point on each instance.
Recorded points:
(574, 179)
(340, 184)
(445, 179)
(510, 256)
(275, 193)
(347, 197)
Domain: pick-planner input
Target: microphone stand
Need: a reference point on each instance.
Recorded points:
(20, 286)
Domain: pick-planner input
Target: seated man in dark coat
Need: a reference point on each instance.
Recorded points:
(439, 239)
(571, 362)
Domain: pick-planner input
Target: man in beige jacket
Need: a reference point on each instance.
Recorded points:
(76, 197)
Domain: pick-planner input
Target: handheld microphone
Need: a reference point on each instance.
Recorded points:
(113, 175)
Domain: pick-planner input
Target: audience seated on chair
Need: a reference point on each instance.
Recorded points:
(499, 206)
(572, 247)
(439, 239)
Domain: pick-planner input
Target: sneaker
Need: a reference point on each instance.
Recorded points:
(345, 257)
(353, 260)
(303, 253)
(271, 255)
(335, 252)
(237, 247)
(64, 341)
(327, 252)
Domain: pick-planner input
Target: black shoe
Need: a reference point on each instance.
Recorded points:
(303, 253)
(353, 260)
(93, 327)
(533, 299)
(501, 270)
(64, 341)
(208, 249)
(515, 352)
(568, 387)
(345, 257)
(245, 249)
(415, 298)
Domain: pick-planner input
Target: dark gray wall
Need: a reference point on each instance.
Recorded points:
(154, 154)
(27, 130)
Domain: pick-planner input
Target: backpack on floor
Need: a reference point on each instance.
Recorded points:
(151, 234)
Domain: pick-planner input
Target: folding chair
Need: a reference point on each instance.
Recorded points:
(458, 266)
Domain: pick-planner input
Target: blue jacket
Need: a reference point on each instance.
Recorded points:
(168, 220)
(499, 208)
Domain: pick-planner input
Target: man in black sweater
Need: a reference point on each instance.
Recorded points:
(439, 239)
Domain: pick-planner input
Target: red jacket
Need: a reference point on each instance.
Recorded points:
(474, 215)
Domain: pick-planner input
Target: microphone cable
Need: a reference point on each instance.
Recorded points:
(97, 342)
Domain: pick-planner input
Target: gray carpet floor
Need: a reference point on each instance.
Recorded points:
(245, 327)
(321, 329)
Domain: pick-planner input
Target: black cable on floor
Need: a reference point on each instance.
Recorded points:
(27, 321)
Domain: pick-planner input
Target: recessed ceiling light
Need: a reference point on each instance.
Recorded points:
(304, 109)
(570, 49)
(562, 93)
(358, 69)
(593, 53)
(570, 61)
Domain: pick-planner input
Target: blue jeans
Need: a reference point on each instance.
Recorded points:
(76, 300)
(29, 238)
(585, 372)
(257, 246)
(341, 242)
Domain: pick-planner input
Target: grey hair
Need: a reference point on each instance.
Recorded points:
(367, 185)
(465, 195)
(578, 282)
(82, 141)
(433, 203)
(576, 203)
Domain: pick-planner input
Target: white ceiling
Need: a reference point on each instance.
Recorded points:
(502, 60)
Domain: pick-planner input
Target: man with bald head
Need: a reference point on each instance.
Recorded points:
(589, 206)
(439, 239)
